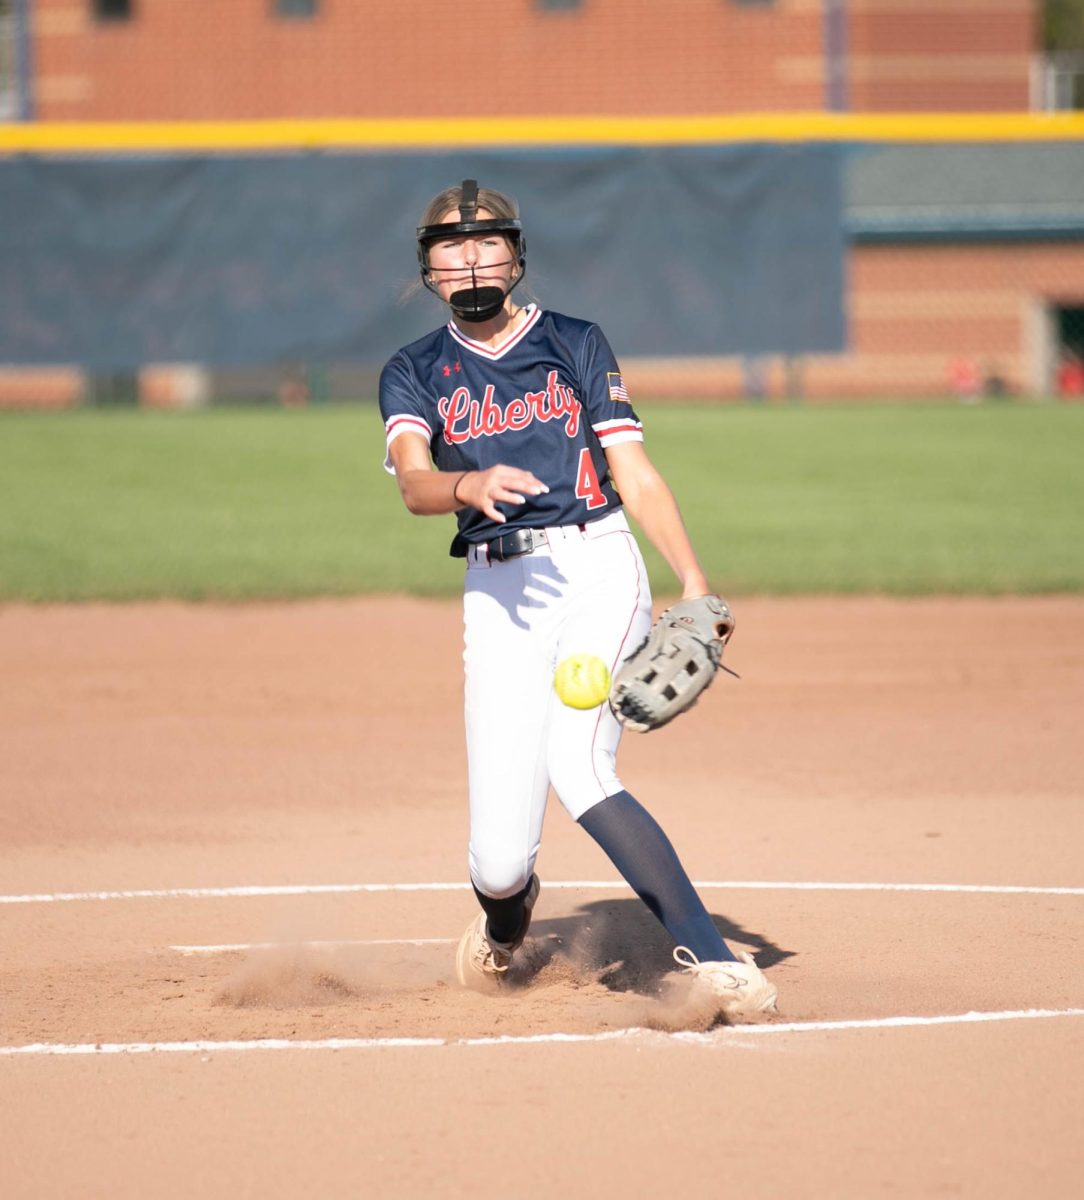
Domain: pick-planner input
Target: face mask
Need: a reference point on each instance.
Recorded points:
(474, 304)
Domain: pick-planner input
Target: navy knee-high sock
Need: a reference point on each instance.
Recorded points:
(504, 918)
(638, 848)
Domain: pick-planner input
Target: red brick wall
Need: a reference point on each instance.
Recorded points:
(183, 59)
(916, 308)
(929, 54)
(186, 59)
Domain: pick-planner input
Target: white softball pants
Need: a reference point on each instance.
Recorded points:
(585, 592)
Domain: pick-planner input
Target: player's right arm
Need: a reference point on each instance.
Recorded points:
(430, 493)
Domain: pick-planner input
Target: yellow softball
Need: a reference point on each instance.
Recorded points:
(582, 681)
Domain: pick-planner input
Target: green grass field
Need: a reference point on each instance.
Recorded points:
(233, 504)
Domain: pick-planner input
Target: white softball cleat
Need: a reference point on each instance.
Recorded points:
(481, 964)
(742, 988)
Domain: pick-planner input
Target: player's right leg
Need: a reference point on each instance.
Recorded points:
(508, 680)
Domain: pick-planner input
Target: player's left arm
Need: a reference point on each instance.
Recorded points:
(649, 501)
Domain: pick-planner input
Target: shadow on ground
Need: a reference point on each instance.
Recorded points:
(621, 945)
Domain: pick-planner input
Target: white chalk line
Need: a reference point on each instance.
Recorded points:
(235, 947)
(716, 1038)
(317, 889)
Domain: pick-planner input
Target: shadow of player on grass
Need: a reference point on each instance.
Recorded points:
(619, 944)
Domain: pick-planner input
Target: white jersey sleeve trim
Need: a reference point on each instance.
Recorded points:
(402, 423)
(623, 429)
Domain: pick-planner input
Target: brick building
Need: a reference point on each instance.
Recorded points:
(169, 59)
(959, 253)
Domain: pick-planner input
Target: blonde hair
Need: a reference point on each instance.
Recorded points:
(501, 206)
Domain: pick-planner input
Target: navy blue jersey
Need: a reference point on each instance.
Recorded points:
(549, 399)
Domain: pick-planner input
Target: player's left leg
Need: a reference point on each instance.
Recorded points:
(606, 612)
(638, 847)
(609, 613)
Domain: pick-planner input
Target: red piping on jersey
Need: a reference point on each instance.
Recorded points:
(620, 654)
(494, 352)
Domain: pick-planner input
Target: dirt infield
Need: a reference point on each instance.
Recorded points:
(192, 798)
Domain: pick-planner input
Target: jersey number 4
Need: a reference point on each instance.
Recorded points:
(587, 487)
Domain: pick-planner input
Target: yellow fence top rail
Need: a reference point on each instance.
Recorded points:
(444, 133)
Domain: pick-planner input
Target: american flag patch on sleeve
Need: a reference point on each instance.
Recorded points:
(618, 392)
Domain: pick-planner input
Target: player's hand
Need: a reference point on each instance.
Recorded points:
(484, 490)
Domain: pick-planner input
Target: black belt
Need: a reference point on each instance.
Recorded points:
(512, 545)
(508, 545)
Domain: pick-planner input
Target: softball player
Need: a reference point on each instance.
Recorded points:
(538, 452)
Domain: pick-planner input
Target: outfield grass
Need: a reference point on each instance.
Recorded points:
(234, 504)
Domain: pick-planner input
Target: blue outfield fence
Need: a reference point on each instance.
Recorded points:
(110, 263)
